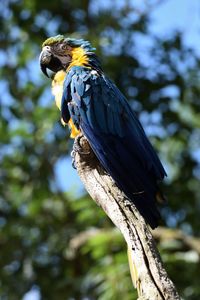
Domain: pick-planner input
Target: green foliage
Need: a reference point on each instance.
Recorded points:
(66, 247)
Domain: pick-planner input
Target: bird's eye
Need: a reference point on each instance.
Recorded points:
(63, 46)
(60, 47)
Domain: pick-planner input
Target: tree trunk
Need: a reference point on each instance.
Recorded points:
(148, 273)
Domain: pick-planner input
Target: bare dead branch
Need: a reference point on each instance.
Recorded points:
(152, 281)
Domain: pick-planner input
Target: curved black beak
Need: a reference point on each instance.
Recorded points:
(44, 69)
(45, 58)
(48, 61)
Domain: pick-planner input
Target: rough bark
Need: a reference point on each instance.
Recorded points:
(151, 279)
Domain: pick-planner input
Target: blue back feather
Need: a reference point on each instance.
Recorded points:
(116, 136)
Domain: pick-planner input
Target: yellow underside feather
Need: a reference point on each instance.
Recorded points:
(57, 87)
(74, 130)
(57, 91)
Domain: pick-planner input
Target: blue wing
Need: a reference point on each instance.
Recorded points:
(116, 136)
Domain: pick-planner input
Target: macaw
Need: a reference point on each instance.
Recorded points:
(92, 104)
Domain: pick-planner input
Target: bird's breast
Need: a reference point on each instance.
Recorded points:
(57, 87)
(57, 91)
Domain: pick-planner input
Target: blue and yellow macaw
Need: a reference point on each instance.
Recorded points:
(92, 104)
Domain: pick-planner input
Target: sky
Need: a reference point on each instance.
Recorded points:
(183, 15)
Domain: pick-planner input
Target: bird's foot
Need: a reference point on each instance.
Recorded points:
(81, 147)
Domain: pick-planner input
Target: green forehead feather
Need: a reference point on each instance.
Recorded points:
(70, 41)
(53, 40)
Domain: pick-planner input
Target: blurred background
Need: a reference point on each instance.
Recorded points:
(55, 243)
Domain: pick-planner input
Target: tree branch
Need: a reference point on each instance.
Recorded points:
(170, 234)
(151, 279)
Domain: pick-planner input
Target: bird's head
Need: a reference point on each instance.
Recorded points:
(59, 52)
